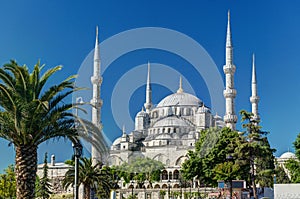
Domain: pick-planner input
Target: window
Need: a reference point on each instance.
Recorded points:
(164, 175)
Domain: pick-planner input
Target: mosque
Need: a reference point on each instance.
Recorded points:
(167, 131)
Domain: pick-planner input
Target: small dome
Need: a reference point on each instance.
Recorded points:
(203, 109)
(180, 99)
(218, 117)
(170, 121)
(117, 141)
(142, 113)
(288, 155)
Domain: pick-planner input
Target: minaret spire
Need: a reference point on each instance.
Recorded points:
(148, 104)
(229, 68)
(96, 101)
(254, 99)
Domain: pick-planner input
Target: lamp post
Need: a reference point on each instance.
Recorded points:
(191, 189)
(180, 185)
(169, 186)
(229, 158)
(132, 189)
(77, 148)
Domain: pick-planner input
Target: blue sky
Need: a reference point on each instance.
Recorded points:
(63, 33)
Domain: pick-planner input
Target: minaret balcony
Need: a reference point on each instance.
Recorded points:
(96, 80)
(96, 103)
(254, 99)
(230, 118)
(255, 117)
(229, 93)
(229, 69)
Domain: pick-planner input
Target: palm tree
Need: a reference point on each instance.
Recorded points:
(30, 114)
(90, 176)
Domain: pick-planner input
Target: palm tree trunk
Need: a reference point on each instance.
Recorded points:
(87, 192)
(26, 167)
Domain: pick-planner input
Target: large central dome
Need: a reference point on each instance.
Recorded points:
(180, 99)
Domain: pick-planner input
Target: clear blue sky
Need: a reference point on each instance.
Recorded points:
(63, 32)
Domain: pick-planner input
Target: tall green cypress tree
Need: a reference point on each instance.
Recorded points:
(45, 186)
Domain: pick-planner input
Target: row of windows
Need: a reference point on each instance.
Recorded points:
(173, 111)
(170, 176)
(154, 131)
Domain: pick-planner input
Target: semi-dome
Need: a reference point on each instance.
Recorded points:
(288, 155)
(117, 141)
(180, 99)
(170, 121)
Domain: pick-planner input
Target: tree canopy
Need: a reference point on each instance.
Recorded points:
(249, 151)
(140, 169)
(31, 114)
(294, 165)
(8, 183)
(211, 151)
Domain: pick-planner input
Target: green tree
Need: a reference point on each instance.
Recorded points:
(30, 114)
(141, 169)
(297, 146)
(211, 150)
(108, 180)
(293, 165)
(8, 183)
(134, 196)
(256, 150)
(162, 194)
(280, 175)
(294, 169)
(44, 188)
(89, 175)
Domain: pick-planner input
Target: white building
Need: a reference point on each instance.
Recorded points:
(56, 174)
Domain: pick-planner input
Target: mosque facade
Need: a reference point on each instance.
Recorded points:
(167, 131)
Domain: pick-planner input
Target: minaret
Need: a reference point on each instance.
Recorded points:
(254, 99)
(230, 117)
(96, 101)
(148, 105)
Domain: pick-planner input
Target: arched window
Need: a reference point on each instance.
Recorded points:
(176, 174)
(164, 175)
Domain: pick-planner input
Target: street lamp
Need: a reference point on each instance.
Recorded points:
(169, 186)
(145, 188)
(180, 185)
(191, 189)
(77, 148)
(229, 158)
(79, 101)
(132, 189)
